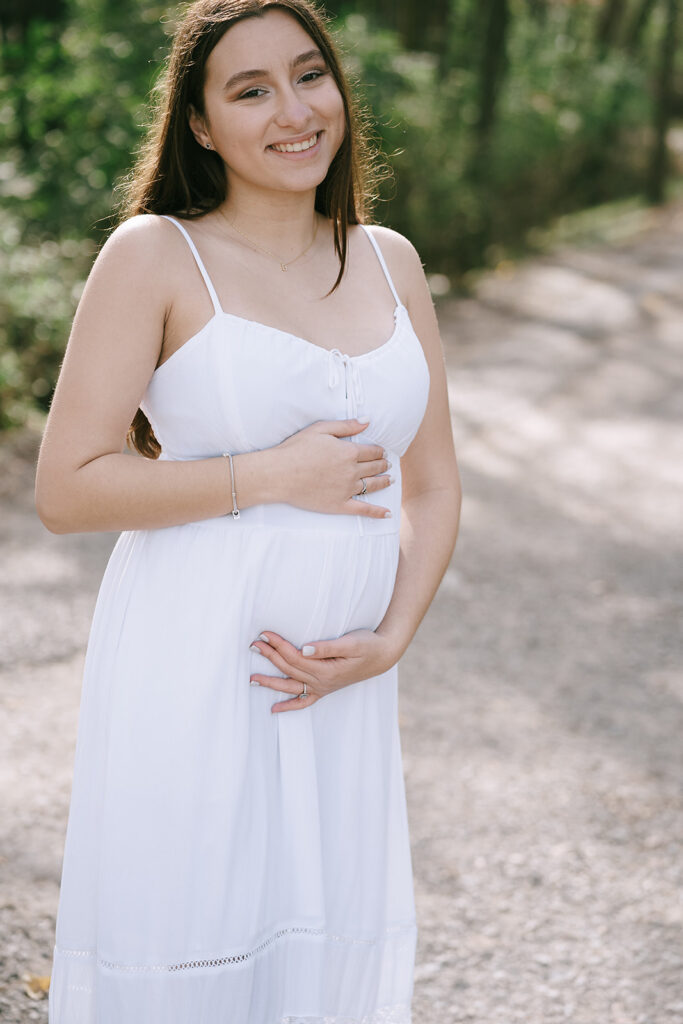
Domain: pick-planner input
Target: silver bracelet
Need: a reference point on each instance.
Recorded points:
(235, 510)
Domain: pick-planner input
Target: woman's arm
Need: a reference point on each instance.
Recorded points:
(85, 481)
(431, 497)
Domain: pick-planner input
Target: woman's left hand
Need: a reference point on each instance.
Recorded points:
(327, 666)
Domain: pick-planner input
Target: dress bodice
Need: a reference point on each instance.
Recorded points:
(238, 385)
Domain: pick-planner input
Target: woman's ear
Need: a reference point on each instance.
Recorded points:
(198, 128)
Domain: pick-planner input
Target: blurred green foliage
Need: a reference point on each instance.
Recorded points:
(73, 91)
(567, 126)
(570, 132)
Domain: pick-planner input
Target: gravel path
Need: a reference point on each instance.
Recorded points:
(542, 699)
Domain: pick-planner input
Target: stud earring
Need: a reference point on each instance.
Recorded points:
(208, 145)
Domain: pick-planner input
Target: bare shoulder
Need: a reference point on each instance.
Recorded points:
(402, 259)
(143, 257)
(407, 271)
(139, 241)
(392, 241)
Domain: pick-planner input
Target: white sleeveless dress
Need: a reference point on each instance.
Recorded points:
(223, 864)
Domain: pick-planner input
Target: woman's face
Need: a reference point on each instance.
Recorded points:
(267, 87)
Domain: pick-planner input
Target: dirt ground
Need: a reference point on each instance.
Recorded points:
(542, 698)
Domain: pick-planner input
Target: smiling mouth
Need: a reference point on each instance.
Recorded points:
(296, 147)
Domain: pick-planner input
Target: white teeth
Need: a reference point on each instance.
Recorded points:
(297, 147)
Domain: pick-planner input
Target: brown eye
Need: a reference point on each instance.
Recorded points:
(318, 73)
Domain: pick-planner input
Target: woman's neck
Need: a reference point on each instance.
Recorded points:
(282, 222)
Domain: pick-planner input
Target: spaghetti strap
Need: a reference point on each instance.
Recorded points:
(377, 249)
(202, 269)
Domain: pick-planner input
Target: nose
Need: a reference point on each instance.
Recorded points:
(292, 112)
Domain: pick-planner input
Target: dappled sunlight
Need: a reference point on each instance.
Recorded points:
(582, 418)
(560, 295)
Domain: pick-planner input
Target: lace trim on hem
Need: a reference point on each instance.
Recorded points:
(385, 1015)
(237, 958)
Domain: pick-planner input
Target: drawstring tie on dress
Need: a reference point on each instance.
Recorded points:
(352, 379)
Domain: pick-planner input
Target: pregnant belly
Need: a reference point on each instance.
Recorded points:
(212, 586)
(317, 586)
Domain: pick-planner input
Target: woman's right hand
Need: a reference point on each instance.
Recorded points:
(323, 472)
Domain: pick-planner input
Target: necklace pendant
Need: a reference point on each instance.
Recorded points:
(283, 266)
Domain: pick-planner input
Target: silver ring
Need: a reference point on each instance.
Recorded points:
(303, 692)
(365, 486)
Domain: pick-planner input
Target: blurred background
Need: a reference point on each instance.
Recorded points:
(537, 149)
(497, 117)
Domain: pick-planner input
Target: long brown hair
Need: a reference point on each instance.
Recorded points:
(173, 174)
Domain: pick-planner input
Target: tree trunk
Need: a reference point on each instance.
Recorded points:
(656, 182)
(422, 26)
(493, 64)
(638, 24)
(492, 68)
(608, 25)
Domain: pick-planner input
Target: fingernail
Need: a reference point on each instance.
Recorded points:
(392, 480)
(387, 514)
(307, 650)
(361, 420)
(262, 636)
(388, 464)
(254, 682)
(255, 649)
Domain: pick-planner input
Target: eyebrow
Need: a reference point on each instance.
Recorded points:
(248, 76)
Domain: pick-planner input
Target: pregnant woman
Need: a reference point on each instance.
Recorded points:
(237, 849)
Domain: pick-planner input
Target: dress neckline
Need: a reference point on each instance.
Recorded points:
(399, 310)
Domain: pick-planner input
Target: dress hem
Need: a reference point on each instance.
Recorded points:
(409, 929)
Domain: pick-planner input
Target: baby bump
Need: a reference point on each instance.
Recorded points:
(208, 585)
(321, 585)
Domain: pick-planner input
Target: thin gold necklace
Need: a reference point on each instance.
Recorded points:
(267, 252)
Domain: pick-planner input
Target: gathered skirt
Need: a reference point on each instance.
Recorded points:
(224, 864)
